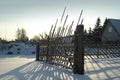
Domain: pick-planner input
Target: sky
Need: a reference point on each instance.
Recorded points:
(37, 16)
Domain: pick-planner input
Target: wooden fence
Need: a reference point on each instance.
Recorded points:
(102, 50)
(62, 52)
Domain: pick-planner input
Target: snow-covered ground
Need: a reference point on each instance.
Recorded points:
(17, 48)
(10, 62)
(103, 69)
(24, 67)
(17, 62)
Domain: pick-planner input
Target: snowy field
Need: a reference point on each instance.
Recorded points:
(24, 67)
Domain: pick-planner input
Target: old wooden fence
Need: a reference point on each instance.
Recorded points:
(62, 51)
(66, 53)
(67, 50)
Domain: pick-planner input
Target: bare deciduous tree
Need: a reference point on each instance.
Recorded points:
(36, 38)
(21, 35)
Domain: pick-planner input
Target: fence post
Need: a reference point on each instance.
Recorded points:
(37, 51)
(47, 54)
(79, 50)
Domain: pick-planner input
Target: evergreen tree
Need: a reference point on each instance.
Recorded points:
(98, 23)
(104, 24)
(85, 32)
(97, 31)
(90, 30)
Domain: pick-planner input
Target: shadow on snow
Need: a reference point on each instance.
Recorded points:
(37, 70)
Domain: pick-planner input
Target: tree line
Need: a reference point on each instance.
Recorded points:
(95, 33)
(91, 34)
(21, 36)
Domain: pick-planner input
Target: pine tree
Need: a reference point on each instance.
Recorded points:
(104, 24)
(98, 23)
(90, 30)
(97, 31)
(85, 32)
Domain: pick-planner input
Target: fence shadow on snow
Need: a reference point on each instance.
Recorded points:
(41, 71)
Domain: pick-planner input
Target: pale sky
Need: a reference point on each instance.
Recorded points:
(37, 16)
